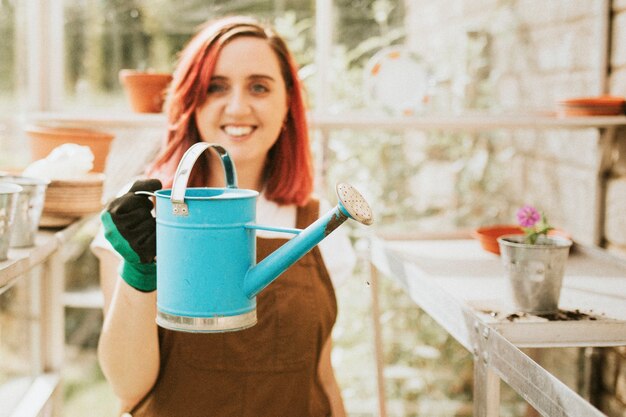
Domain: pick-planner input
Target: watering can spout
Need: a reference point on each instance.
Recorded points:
(351, 205)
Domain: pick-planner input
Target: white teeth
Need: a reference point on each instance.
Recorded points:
(238, 130)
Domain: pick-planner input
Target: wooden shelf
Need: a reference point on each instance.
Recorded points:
(366, 121)
(47, 243)
(86, 298)
(100, 119)
(465, 122)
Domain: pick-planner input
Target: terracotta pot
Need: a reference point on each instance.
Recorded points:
(145, 90)
(488, 235)
(592, 106)
(43, 139)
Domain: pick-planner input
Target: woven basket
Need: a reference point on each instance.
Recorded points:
(74, 198)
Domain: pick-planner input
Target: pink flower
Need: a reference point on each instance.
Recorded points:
(528, 216)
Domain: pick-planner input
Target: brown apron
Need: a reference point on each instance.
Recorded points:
(269, 369)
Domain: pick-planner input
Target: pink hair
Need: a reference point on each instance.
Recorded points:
(288, 175)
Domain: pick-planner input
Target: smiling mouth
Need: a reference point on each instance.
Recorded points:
(238, 131)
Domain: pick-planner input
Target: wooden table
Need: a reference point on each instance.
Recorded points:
(463, 288)
(42, 266)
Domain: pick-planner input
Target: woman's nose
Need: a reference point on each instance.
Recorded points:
(237, 103)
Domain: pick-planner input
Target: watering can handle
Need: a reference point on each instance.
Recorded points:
(186, 163)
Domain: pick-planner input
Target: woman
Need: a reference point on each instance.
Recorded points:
(236, 85)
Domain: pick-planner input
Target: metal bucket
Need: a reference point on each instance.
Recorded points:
(29, 208)
(535, 272)
(8, 200)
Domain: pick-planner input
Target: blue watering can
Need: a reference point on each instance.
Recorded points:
(207, 276)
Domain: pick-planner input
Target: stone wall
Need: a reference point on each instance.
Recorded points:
(615, 224)
(524, 56)
(612, 393)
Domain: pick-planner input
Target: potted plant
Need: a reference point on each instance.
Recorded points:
(145, 89)
(44, 139)
(535, 263)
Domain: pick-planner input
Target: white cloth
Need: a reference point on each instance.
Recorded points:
(336, 249)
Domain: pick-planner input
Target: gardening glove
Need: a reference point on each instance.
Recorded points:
(130, 227)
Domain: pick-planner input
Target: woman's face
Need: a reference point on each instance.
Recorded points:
(246, 102)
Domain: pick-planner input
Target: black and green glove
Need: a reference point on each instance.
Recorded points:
(130, 227)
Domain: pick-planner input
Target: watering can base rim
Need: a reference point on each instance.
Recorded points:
(217, 324)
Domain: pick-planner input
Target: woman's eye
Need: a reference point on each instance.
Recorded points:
(216, 88)
(259, 88)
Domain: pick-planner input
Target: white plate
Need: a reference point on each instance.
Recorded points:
(397, 80)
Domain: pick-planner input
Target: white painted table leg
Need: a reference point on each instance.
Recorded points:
(486, 388)
(378, 342)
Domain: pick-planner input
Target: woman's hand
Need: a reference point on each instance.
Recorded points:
(131, 229)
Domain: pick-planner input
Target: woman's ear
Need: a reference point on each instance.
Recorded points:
(287, 113)
(285, 120)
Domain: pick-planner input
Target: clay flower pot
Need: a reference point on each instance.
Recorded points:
(43, 139)
(145, 90)
(604, 105)
(488, 235)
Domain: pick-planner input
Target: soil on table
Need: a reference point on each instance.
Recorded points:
(560, 315)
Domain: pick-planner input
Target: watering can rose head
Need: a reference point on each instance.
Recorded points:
(532, 223)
